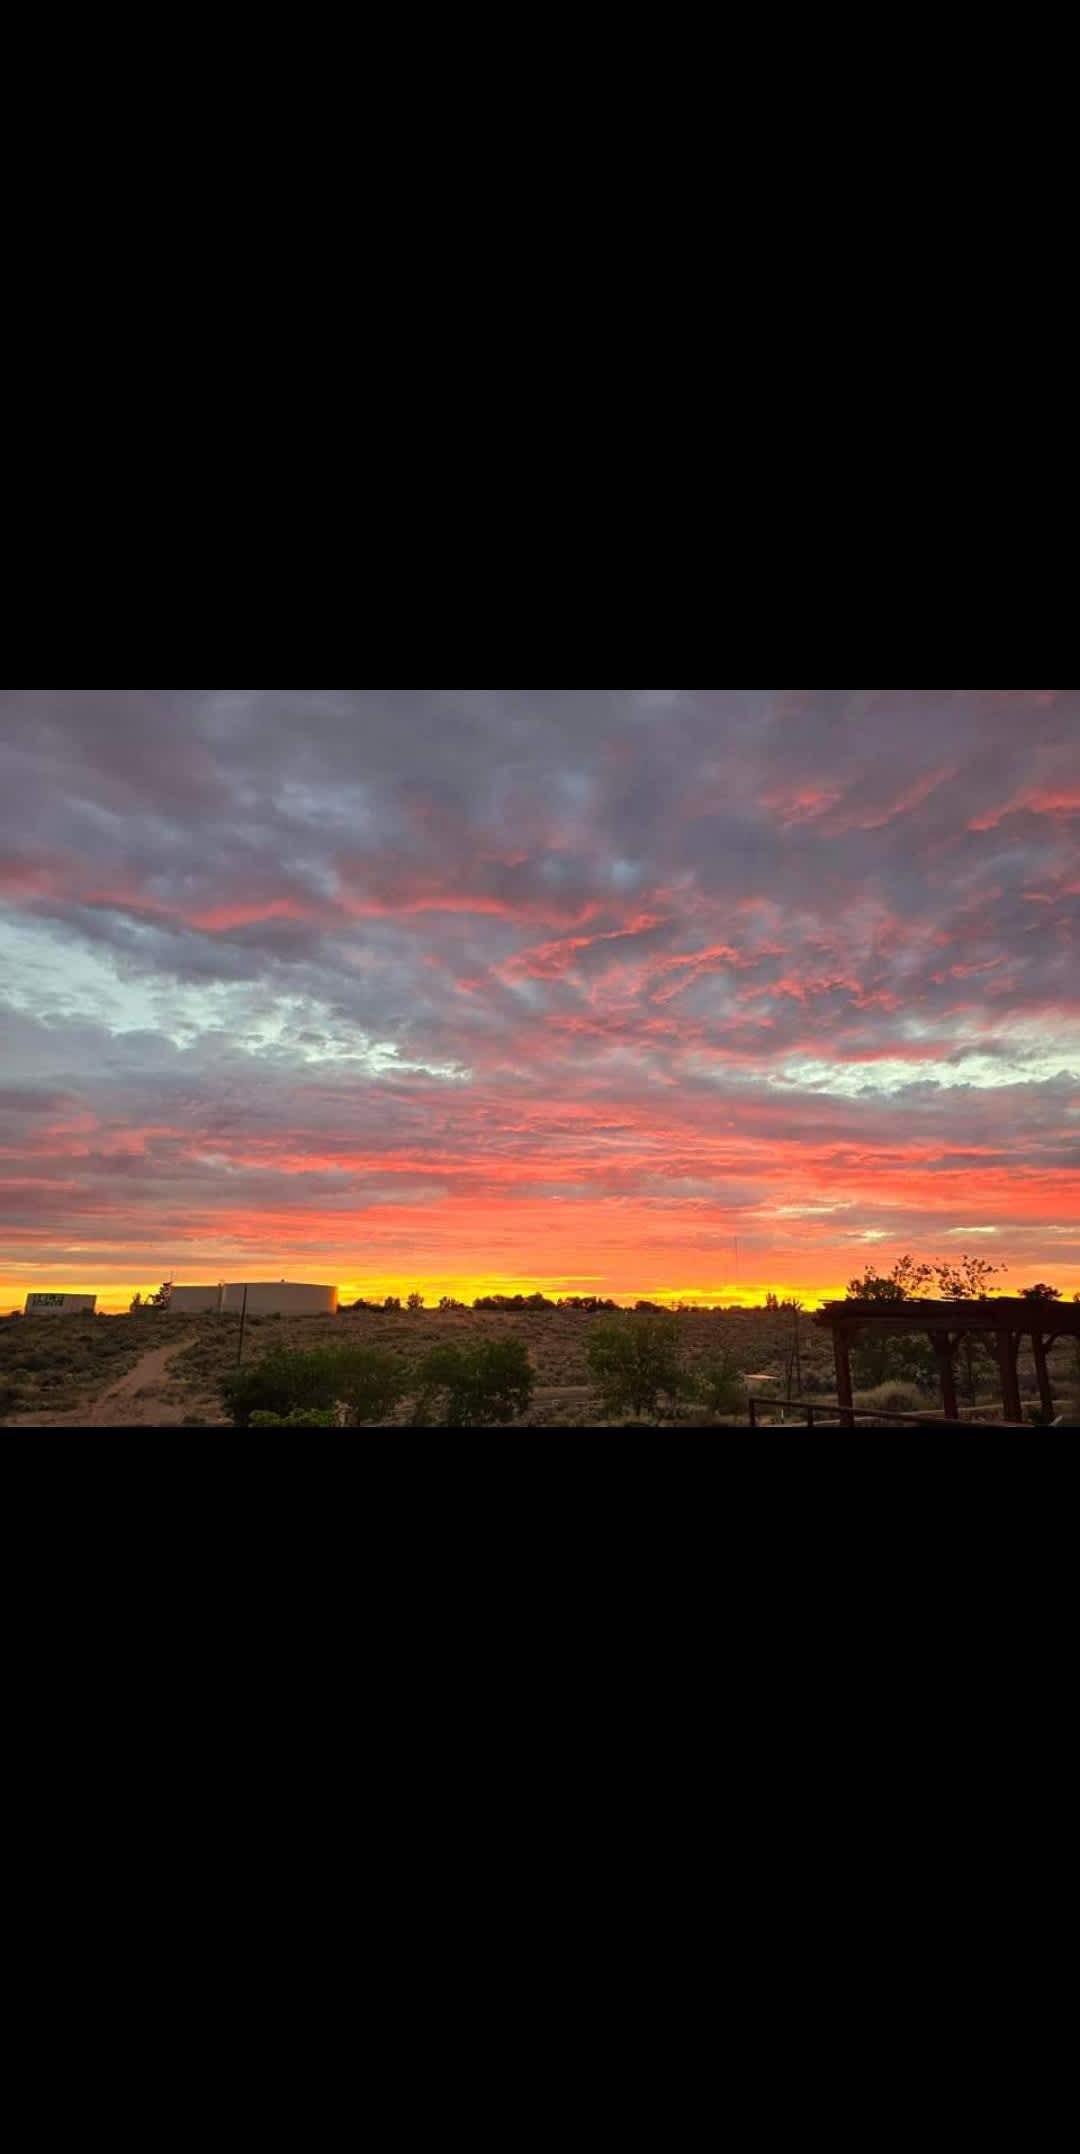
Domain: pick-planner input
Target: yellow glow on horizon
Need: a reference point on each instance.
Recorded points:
(466, 1287)
(114, 1300)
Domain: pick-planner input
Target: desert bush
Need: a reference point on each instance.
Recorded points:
(308, 1417)
(719, 1384)
(477, 1384)
(633, 1364)
(877, 1358)
(892, 1397)
(368, 1380)
(372, 1380)
(282, 1380)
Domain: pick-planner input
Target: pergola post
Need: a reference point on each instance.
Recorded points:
(843, 1375)
(1008, 1347)
(943, 1346)
(1046, 1396)
(1001, 1322)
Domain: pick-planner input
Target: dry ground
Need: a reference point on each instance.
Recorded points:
(159, 1371)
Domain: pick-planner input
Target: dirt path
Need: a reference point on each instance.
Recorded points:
(121, 1405)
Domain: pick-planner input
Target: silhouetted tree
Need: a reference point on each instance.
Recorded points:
(966, 1279)
(1040, 1292)
(414, 1301)
(903, 1283)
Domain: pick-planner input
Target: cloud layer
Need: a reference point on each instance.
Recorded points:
(573, 988)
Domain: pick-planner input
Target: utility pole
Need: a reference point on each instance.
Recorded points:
(243, 1313)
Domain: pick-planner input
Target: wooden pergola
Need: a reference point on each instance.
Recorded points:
(1000, 1322)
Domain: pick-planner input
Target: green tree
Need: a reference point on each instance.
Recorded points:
(875, 1355)
(720, 1384)
(479, 1384)
(282, 1380)
(634, 1363)
(371, 1382)
(367, 1380)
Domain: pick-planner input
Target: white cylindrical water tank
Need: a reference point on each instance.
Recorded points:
(280, 1297)
(193, 1300)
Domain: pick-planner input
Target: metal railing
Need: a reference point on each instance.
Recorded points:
(819, 1410)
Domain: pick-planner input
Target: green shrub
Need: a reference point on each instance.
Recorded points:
(367, 1380)
(633, 1362)
(719, 1384)
(307, 1417)
(880, 1357)
(892, 1397)
(372, 1382)
(479, 1384)
(282, 1380)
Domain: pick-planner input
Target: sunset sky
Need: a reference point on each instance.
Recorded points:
(489, 990)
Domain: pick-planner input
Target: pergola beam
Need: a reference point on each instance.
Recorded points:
(1001, 1322)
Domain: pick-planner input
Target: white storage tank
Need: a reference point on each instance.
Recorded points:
(194, 1300)
(60, 1304)
(281, 1297)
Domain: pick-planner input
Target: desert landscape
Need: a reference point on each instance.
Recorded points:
(154, 1371)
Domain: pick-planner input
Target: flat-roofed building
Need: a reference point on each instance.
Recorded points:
(61, 1304)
